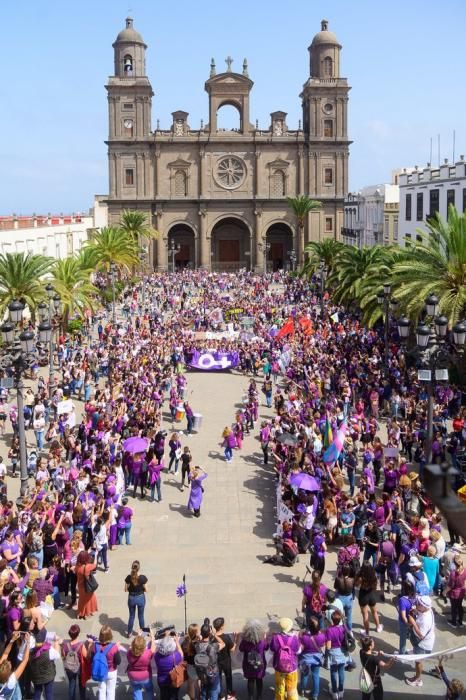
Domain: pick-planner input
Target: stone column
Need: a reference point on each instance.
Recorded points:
(201, 172)
(139, 175)
(312, 173)
(257, 180)
(204, 242)
(300, 170)
(162, 256)
(112, 173)
(156, 171)
(111, 117)
(258, 243)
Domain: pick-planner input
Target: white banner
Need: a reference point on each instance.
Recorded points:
(409, 658)
(65, 406)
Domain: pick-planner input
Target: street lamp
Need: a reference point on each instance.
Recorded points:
(322, 276)
(173, 249)
(293, 257)
(384, 299)
(267, 246)
(435, 348)
(50, 311)
(112, 275)
(143, 262)
(18, 356)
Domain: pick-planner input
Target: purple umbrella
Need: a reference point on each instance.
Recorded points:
(304, 481)
(134, 445)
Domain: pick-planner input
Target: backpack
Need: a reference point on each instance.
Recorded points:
(316, 603)
(71, 662)
(99, 668)
(420, 583)
(204, 664)
(286, 662)
(254, 660)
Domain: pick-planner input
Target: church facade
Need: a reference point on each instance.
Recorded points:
(219, 197)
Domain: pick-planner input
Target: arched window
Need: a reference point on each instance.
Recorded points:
(328, 67)
(228, 118)
(278, 184)
(128, 65)
(180, 183)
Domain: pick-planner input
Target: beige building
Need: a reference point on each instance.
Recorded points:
(218, 196)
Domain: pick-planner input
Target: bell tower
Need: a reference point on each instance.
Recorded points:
(129, 89)
(325, 117)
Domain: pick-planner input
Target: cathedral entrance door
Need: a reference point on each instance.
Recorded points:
(231, 245)
(228, 251)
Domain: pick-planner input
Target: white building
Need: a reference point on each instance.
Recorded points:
(57, 236)
(426, 191)
(371, 216)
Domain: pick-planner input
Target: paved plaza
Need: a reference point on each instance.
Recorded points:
(222, 552)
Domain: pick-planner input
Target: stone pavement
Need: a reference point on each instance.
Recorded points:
(221, 552)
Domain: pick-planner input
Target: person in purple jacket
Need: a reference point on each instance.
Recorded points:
(124, 524)
(196, 477)
(167, 656)
(253, 646)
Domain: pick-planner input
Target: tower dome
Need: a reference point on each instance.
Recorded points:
(129, 35)
(324, 37)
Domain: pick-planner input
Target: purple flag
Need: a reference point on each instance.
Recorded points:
(214, 361)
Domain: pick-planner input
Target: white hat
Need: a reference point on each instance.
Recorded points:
(414, 561)
(424, 600)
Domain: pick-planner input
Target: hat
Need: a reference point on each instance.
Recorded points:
(424, 600)
(414, 561)
(285, 624)
(413, 476)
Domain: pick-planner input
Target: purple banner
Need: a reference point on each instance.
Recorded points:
(214, 360)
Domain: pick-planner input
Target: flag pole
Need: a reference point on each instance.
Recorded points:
(185, 605)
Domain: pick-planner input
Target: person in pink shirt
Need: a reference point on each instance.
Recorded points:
(139, 666)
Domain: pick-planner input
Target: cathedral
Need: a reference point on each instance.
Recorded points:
(217, 196)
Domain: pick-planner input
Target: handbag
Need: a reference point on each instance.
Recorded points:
(90, 582)
(366, 684)
(348, 644)
(178, 674)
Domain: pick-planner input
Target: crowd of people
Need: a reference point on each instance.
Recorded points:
(322, 378)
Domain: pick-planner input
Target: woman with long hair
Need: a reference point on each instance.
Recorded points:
(136, 588)
(72, 548)
(373, 664)
(253, 645)
(314, 598)
(196, 477)
(139, 666)
(87, 602)
(189, 652)
(366, 580)
(311, 658)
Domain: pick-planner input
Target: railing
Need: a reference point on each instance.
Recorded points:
(230, 266)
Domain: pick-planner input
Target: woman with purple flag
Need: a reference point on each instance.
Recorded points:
(196, 477)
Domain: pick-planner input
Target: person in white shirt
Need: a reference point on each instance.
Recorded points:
(9, 678)
(423, 627)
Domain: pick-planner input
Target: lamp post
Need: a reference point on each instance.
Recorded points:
(19, 356)
(50, 311)
(292, 256)
(267, 247)
(143, 262)
(385, 300)
(322, 276)
(435, 348)
(112, 275)
(173, 249)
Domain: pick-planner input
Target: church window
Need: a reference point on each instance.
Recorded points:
(328, 67)
(328, 176)
(328, 128)
(328, 224)
(128, 65)
(278, 184)
(180, 183)
(129, 177)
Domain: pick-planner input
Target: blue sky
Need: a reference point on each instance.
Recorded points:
(404, 61)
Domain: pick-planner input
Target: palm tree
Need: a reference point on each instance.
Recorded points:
(301, 206)
(435, 265)
(73, 284)
(136, 225)
(327, 250)
(111, 245)
(350, 269)
(20, 278)
(87, 258)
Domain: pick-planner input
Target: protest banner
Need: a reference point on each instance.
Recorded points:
(65, 407)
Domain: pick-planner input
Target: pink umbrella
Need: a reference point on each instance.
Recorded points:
(134, 445)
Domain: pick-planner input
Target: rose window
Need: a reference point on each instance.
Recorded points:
(230, 172)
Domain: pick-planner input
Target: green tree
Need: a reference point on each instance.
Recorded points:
(111, 245)
(350, 269)
(73, 284)
(378, 273)
(327, 250)
(136, 225)
(21, 277)
(301, 206)
(435, 265)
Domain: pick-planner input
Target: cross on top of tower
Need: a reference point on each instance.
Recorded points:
(229, 61)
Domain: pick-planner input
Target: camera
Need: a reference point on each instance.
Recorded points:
(160, 631)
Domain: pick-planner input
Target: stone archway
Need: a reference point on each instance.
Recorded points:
(231, 245)
(279, 238)
(183, 236)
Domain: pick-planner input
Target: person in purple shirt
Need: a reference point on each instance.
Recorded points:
(311, 658)
(334, 636)
(405, 603)
(196, 477)
(253, 646)
(124, 524)
(167, 656)
(285, 647)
